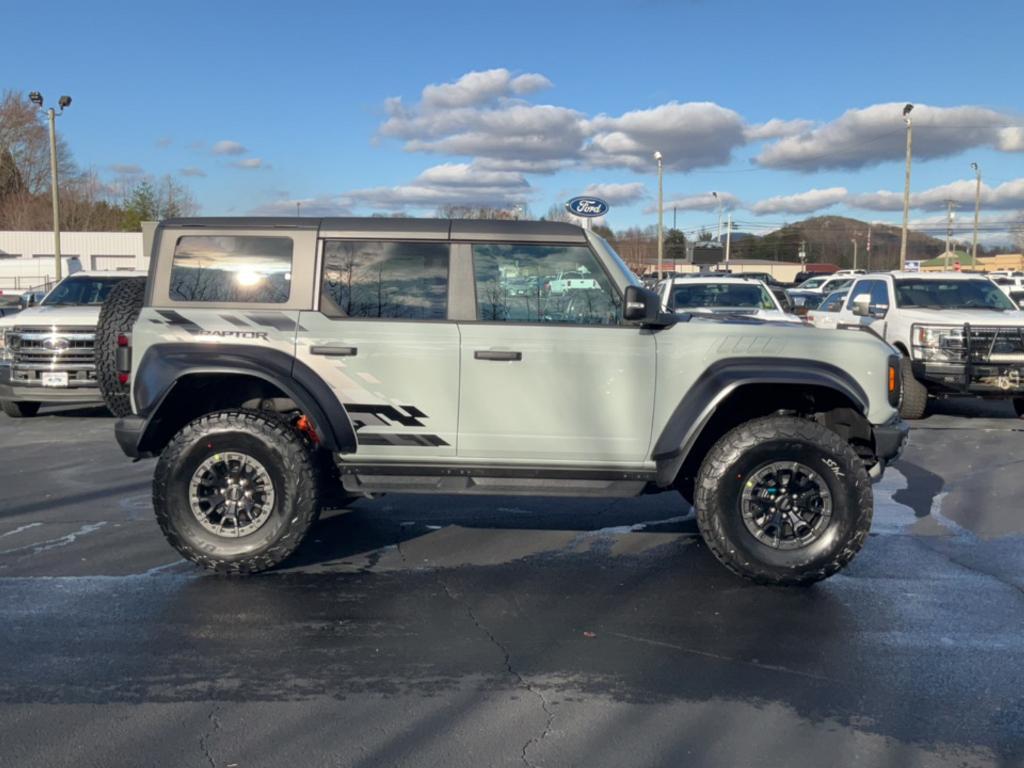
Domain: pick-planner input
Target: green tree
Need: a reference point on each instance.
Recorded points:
(705, 236)
(140, 205)
(675, 246)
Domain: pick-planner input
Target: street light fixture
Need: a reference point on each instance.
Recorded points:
(64, 101)
(977, 211)
(906, 187)
(661, 213)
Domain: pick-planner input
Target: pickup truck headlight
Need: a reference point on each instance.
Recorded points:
(938, 343)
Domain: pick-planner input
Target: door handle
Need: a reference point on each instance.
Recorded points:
(497, 354)
(332, 351)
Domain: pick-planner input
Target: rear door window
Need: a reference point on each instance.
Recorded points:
(232, 268)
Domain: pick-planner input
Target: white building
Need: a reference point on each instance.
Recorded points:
(26, 258)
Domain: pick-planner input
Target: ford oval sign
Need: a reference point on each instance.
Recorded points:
(587, 207)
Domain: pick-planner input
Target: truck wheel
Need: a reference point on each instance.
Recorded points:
(118, 315)
(914, 404)
(236, 491)
(19, 409)
(783, 500)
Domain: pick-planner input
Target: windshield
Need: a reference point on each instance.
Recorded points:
(603, 244)
(814, 282)
(81, 291)
(836, 285)
(716, 295)
(951, 294)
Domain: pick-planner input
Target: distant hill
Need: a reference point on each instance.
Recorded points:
(827, 239)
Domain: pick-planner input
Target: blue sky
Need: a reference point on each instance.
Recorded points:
(362, 107)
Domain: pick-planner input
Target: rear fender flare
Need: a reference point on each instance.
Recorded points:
(165, 365)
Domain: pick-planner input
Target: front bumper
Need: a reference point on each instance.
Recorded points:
(989, 379)
(890, 440)
(21, 392)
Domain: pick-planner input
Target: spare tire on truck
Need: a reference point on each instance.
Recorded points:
(118, 315)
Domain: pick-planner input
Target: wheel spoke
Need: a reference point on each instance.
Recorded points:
(786, 505)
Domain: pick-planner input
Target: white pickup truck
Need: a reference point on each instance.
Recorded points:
(571, 281)
(960, 334)
(47, 352)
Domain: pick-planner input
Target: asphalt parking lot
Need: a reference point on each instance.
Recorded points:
(490, 631)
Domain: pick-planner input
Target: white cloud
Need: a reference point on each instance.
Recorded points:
(1011, 139)
(127, 169)
(803, 202)
(691, 135)
(702, 202)
(250, 163)
(1006, 196)
(226, 147)
(618, 194)
(776, 129)
(192, 170)
(875, 134)
(446, 184)
(480, 88)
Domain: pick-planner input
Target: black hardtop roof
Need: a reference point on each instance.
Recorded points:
(456, 229)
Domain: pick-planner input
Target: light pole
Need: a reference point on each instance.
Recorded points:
(906, 187)
(64, 101)
(977, 211)
(854, 241)
(661, 213)
(298, 208)
(719, 201)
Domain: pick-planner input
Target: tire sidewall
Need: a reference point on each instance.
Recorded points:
(834, 470)
(186, 526)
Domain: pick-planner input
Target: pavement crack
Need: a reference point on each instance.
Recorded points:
(204, 737)
(722, 657)
(521, 681)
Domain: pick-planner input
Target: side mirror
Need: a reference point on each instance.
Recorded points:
(862, 305)
(644, 306)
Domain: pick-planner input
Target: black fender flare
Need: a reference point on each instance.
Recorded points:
(720, 380)
(164, 365)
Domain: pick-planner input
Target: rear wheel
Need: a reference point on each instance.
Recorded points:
(117, 316)
(783, 500)
(236, 491)
(914, 404)
(19, 409)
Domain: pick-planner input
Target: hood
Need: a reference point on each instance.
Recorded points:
(961, 316)
(55, 315)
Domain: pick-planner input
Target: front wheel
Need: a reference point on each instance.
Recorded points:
(783, 500)
(236, 491)
(19, 409)
(914, 404)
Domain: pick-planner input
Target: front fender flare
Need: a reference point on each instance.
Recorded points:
(719, 381)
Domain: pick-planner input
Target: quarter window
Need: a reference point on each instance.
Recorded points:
(232, 268)
(543, 284)
(375, 279)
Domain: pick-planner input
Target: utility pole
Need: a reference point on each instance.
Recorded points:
(868, 248)
(718, 238)
(673, 217)
(949, 230)
(298, 209)
(906, 187)
(661, 214)
(728, 240)
(977, 211)
(65, 101)
(854, 241)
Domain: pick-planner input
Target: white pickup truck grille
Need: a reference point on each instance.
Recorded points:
(37, 349)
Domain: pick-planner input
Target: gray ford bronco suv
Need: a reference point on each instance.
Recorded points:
(276, 364)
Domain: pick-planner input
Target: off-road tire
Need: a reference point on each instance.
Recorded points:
(1018, 406)
(19, 409)
(914, 403)
(118, 315)
(292, 466)
(777, 438)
